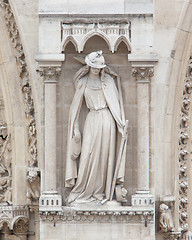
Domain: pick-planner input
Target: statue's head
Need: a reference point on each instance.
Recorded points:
(163, 207)
(32, 175)
(95, 60)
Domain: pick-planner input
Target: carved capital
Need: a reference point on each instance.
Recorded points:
(143, 74)
(50, 74)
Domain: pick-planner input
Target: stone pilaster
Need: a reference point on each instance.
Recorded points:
(50, 70)
(143, 71)
(143, 75)
(50, 75)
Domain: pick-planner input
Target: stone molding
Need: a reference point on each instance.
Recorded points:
(125, 214)
(184, 150)
(78, 31)
(16, 218)
(24, 81)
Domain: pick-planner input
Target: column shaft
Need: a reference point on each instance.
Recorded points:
(50, 136)
(143, 135)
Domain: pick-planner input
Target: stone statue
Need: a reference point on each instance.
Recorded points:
(97, 134)
(165, 219)
(33, 185)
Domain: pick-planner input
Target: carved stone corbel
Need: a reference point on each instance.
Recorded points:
(33, 185)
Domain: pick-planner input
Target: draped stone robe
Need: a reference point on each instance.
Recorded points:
(86, 176)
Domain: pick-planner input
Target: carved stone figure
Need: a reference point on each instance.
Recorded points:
(33, 184)
(94, 141)
(165, 219)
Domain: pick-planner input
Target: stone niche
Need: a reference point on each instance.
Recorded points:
(110, 220)
(118, 61)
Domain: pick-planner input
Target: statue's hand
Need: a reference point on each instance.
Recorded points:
(77, 135)
(124, 130)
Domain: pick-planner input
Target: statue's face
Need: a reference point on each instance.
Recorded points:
(95, 71)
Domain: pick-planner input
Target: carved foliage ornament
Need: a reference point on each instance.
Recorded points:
(142, 74)
(5, 164)
(24, 79)
(50, 74)
(183, 151)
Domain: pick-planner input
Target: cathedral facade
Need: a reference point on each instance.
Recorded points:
(95, 120)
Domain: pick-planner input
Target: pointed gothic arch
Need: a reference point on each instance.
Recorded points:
(119, 41)
(95, 33)
(176, 82)
(69, 39)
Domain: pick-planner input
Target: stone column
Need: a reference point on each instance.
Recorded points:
(51, 75)
(50, 69)
(143, 75)
(142, 70)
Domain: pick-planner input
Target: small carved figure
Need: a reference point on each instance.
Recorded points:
(33, 184)
(188, 86)
(184, 121)
(99, 169)
(183, 201)
(183, 217)
(165, 219)
(186, 105)
(182, 155)
(183, 187)
(183, 138)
